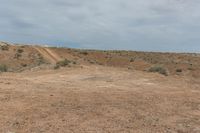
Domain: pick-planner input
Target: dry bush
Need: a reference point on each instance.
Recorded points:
(3, 68)
(4, 47)
(179, 70)
(63, 63)
(159, 69)
(20, 50)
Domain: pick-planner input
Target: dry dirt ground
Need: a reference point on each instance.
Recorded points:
(97, 99)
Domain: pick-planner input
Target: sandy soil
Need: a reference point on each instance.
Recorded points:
(97, 99)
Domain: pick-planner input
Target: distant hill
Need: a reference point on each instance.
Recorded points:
(26, 57)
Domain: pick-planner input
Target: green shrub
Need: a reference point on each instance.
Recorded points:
(63, 63)
(3, 68)
(159, 69)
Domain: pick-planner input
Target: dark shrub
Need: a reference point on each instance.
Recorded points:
(158, 69)
(179, 70)
(3, 68)
(24, 65)
(20, 51)
(17, 55)
(56, 66)
(84, 52)
(4, 47)
(132, 60)
(63, 63)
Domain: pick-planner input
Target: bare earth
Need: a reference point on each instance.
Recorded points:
(97, 99)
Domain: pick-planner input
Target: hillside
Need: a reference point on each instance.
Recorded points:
(22, 57)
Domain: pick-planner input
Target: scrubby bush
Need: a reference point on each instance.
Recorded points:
(190, 68)
(179, 70)
(132, 60)
(84, 52)
(17, 55)
(63, 63)
(3, 68)
(4, 47)
(24, 65)
(159, 69)
(20, 50)
(40, 59)
(56, 66)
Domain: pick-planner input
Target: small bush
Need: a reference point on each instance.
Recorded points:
(179, 70)
(63, 63)
(4, 47)
(24, 65)
(3, 68)
(23, 46)
(74, 62)
(20, 51)
(132, 60)
(17, 55)
(190, 68)
(91, 62)
(40, 60)
(84, 52)
(56, 66)
(158, 69)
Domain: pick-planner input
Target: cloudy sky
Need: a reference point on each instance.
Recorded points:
(147, 25)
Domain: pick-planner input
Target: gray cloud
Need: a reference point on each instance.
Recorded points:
(159, 25)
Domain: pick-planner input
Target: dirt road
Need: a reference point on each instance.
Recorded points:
(48, 54)
(96, 99)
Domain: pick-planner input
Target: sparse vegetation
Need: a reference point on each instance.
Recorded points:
(3, 68)
(179, 70)
(132, 60)
(17, 55)
(74, 62)
(20, 50)
(24, 65)
(63, 63)
(4, 47)
(56, 66)
(23, 46)
(28, 56)
(84, 52)
(91, 61)
(190, 68)
(159, 69)
(40, 60)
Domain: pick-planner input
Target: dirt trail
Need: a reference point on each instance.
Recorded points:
(51, 56)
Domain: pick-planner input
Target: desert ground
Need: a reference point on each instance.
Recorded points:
(97, 95)
(97, 99)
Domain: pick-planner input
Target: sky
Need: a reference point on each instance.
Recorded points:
(144, 25)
